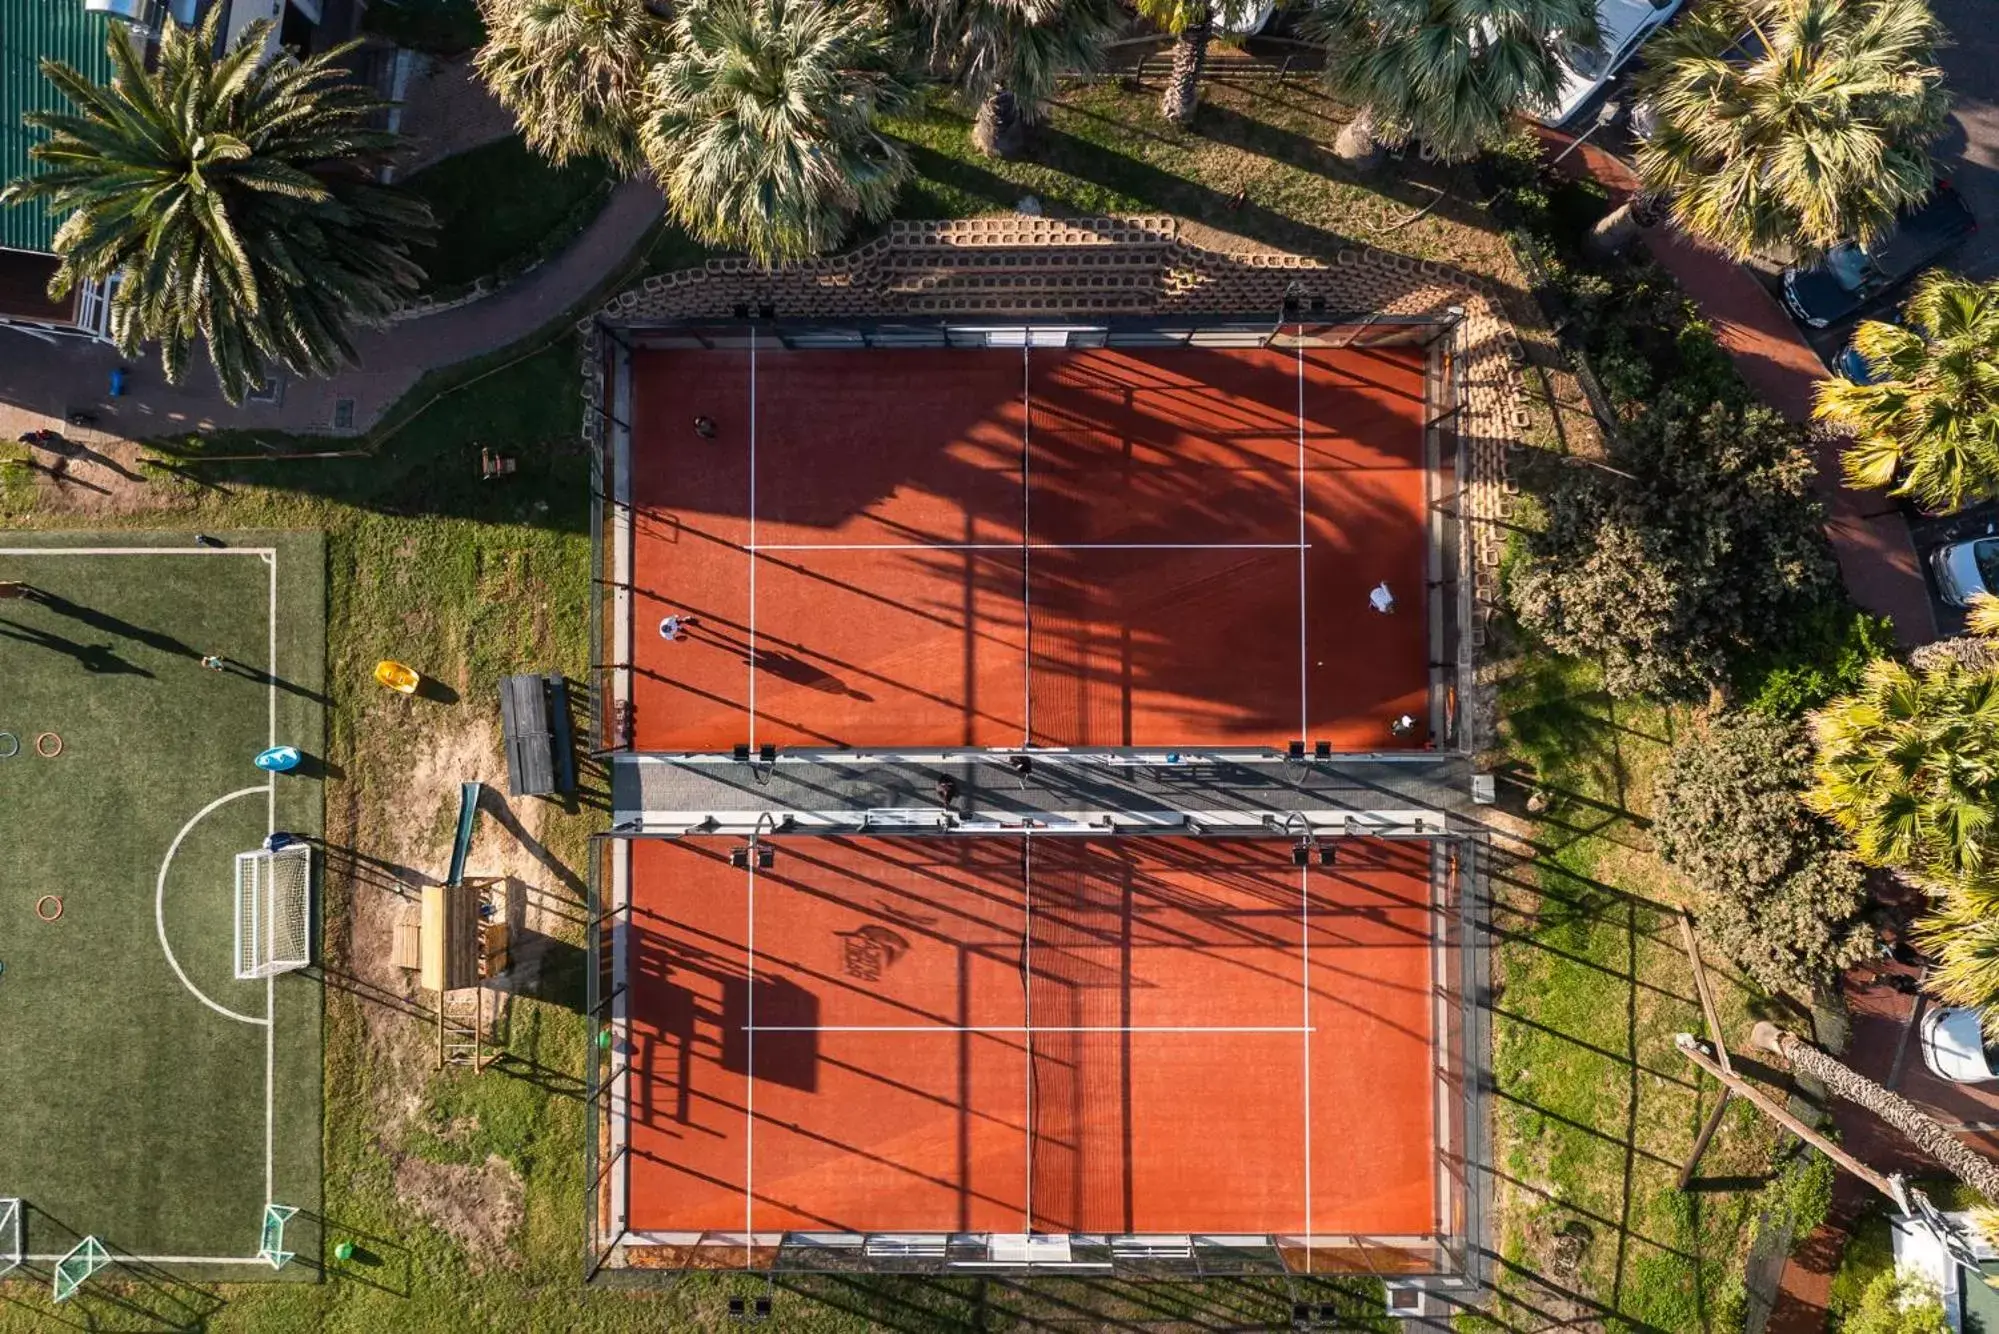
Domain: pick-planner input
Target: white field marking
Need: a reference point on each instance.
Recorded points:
(121, 1257)
(1023, 546)
(160, 906)
(271, 982)
(753, 540)
(1028, 1029)
(138, 551)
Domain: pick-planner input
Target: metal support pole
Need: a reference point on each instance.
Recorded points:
(1696, 1051)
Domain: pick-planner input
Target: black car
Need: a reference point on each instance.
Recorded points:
(1851, 277)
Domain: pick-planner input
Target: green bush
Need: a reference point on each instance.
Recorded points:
(1682, 557)
(1893, 1304)
(1774, 886)
(439, 27)
(1820, 655)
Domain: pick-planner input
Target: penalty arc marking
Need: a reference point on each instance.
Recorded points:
(160, 907)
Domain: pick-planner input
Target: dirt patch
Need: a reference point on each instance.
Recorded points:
(89, 472)
(478, 1205)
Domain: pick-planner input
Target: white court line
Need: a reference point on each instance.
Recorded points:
(1304, 687)
(160, 906)
(1026, 593)
(750, 1063)
(1028, 1029)
(1023, 546)
(752, 615)
(1304, 872)
(1027, 1009)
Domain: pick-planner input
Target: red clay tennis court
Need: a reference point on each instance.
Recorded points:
(1033, 1034)
(910, 548)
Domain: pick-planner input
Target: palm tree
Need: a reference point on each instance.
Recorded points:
(230, 197)
(573, 72)
(1448, 72)
(764, 136)
(1006, 57)
(1961, 935)
(1810, 131)
(1192, 23)
(1918, 1127)
(1930, 418)
(1909, 766)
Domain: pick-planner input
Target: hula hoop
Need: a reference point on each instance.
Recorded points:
(41, 907)
(16, 741)
(42, 749)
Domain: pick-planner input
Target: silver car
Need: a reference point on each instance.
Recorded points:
(1965, 569)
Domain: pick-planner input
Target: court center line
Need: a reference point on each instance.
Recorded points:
(1305, 969)
(1022, 546)
(1014, 1029)
(750, 1069)
(1027, 1008)
(1304, 687)
(1027, 577)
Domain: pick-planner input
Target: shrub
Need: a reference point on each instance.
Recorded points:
(1682, 559)
(1773, 885)
(1819, 656)
(1897, 1304)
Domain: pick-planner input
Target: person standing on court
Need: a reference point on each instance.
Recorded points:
(1381, 599)
(705, 427)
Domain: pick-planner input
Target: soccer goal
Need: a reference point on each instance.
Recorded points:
(273, 910)
(74, 1269)
(10, 1235)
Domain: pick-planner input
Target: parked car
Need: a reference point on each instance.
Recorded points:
(1965, 569)
(1850, 365)
(1955, 1047)
(1625, 24)
(1853, 276)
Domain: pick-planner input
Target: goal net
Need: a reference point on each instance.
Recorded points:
(273, 910)
(10, 1235)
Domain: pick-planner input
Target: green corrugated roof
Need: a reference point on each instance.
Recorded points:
(30, 30)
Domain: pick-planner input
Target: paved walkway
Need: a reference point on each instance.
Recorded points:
(40, 382)
(1868, 532)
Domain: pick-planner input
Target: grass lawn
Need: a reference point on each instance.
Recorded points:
(501, 207)
(139, 1071)
(467, 579)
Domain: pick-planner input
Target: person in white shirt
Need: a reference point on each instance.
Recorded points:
(1381, 599)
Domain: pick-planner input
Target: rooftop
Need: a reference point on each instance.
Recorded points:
(32, 31)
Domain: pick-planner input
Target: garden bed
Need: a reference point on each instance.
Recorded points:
(502, 209)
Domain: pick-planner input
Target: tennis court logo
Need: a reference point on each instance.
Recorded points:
(869, 951)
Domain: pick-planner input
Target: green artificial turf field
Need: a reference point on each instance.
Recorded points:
(147, 1097)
